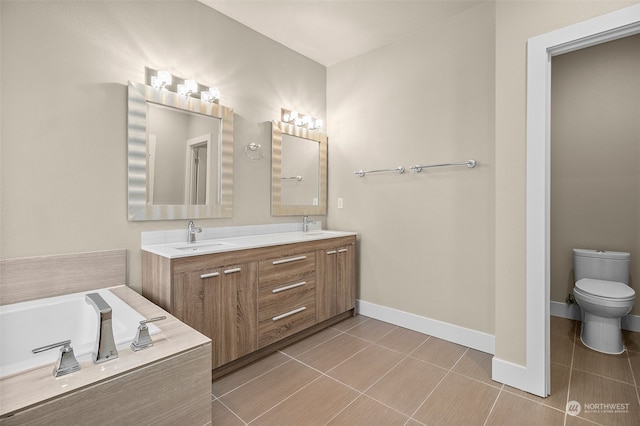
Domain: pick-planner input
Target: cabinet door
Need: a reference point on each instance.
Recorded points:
(221, 303)
(346, 278)
(335, 288)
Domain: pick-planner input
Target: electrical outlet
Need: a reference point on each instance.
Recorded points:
(340, 203)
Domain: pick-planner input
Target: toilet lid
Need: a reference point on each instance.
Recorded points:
(605, 289)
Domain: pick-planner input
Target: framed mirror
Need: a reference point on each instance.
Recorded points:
(298, 171)
(180, 156)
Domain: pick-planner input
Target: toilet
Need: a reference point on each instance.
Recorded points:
(603, 293)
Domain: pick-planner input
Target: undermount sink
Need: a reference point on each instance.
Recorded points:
(202, 246)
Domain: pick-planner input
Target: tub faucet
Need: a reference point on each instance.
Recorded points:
(105, 346)
(192, 231)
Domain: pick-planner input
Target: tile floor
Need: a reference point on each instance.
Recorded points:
(366, 372)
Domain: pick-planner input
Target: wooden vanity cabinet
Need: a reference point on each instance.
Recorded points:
(251, 302)
(336, 289)
(286, 298)
(220, 302)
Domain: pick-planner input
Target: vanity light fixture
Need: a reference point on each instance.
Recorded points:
(161, 80)
(186, 87)
(211, 95)
(292, 117)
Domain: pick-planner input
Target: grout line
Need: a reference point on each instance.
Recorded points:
(233, 412)
(495, 401)
(573, 353)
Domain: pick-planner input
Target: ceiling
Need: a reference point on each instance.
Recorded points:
(332, 31)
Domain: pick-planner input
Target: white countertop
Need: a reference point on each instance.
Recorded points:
(184, 249)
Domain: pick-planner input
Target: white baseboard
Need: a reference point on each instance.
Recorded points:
(563, 310)
(463, 336)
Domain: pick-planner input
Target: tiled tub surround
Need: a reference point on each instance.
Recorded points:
(137, 387)
(364, 372)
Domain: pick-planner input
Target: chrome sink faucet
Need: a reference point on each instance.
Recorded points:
(305, 224)
(192, 231)
(105, 346)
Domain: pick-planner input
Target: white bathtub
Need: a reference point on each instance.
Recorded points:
(29, 325)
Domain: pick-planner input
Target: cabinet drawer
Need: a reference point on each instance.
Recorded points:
(293, 319)
(287, 269)
(275, 299)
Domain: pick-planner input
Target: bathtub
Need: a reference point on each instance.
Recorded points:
(28, 325)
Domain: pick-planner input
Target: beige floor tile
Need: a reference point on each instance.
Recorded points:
(402, 340)
(559, 388)
(458, 400)
(631, 340)
(366, 411)
(612, 366)
(634, 360)
(350, 322)
(257, 396)
(589, 389)
(563, 332)
(331, 353)
(477, 365)
(372, 330)
(310, 342)
(315, 404)
(577, 421)
(220, 415)
(366, 367)
(231, 381)
(439, 352)
(511, 409)
(407, 385)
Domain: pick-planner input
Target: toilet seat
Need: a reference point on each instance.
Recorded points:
(608, 290)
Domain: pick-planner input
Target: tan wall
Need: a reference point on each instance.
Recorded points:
(515, 23)
(427, 240)
(65, 67)
(595, 157)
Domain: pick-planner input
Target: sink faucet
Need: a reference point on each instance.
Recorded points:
(192, 231)
(305, 224)
(105, 346)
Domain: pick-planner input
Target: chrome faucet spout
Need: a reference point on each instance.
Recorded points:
(305, 224)
(192, 230)
(105, 346)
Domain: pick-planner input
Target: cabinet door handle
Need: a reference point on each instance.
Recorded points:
(291, 259)
(342, 250)
(210, 275)
(288, 287)
(232, 270)
(332, 252)
(288, 314)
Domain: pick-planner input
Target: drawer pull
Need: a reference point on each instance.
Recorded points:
(291, 259)
(232, 270)
(288, 314)
(210, 275)
(288, 287)
(332, 252)
(342, 250)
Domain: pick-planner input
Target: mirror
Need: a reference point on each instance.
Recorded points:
(180, 156)
(298, 170)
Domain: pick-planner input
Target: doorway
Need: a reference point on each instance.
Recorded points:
(541, 49)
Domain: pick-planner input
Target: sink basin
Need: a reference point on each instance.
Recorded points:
(202, 246)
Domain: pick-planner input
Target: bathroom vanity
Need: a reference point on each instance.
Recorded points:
(253, 295)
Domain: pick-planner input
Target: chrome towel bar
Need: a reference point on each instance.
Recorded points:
(469, 163)
(361, 173)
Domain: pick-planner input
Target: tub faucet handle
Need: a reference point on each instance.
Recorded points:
(67, 362)
(143, 339)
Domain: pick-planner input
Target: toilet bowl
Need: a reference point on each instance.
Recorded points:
(604, 296)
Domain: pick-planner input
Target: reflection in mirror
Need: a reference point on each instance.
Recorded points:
(299, 171)
(180, 156)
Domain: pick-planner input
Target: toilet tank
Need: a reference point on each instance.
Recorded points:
(601, 265)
